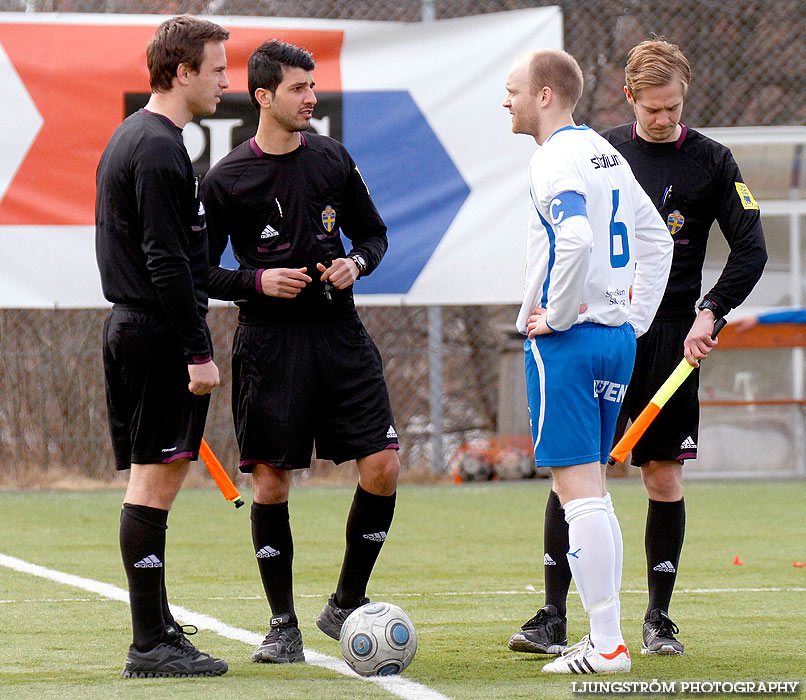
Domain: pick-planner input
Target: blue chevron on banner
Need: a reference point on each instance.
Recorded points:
(413, 181)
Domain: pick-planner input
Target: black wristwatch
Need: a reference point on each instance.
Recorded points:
(360, 263)
(711, 306)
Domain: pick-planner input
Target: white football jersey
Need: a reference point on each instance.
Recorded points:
(595, 238)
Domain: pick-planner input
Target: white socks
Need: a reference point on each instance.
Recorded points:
(618, 543)
(592, 557)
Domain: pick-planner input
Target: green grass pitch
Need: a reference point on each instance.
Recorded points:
(464, 561)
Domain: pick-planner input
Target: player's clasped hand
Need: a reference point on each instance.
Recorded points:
(284, 282)
(341, 273)
(203, 378)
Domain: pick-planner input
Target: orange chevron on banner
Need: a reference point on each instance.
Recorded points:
(77, 76)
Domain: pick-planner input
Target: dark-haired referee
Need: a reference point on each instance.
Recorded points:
(305, 370)
(151, 247)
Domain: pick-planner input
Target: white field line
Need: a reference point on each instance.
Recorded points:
(396, 685)
(525, 591)
(472, 594)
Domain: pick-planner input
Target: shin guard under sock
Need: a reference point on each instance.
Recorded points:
(591, 556)
(367, 526)
(142, 548)
(274, 551)
(556, 572)
(665, 530)
(618, 545)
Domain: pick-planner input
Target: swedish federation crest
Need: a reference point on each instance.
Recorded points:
(329, 218)
(675, 221)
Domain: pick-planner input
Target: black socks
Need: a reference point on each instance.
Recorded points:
(665, 529)
(556, 572)
(274, 550)
(663, 540)
(367, 526)
(142, 547)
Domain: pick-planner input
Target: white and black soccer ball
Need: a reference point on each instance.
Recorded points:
(472, 467)
(378, 639)
(470, 463)
(513, 463)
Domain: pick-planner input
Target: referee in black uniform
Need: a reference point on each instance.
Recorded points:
(693, 181)
(305, 370)
(151, 248)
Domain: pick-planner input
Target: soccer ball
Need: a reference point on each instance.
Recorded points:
(513, 463)
(378, 639)
(470, 462)
(473, 467)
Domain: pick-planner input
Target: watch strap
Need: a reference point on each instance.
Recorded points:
(360, 263)
(711, 306)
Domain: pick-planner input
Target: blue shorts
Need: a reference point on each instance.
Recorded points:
(575, 385)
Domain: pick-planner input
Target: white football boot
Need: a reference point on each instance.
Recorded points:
(583, 658)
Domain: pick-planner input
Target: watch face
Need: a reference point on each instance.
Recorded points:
(359, 261)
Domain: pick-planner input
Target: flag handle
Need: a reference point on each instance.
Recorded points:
(642, 422)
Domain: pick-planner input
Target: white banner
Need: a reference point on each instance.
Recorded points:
(417, 105)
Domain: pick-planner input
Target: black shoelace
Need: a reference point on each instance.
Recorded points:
(537, 619)
(667, 628)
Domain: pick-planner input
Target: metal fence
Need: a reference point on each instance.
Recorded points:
(749, 69)
(53, 412)
(747, 58)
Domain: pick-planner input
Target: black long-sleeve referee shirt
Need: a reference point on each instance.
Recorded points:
(150, 239)
(288, 211)
(693, 182)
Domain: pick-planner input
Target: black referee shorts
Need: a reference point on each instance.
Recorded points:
(302, 383)
(153, 416)
(672, 436)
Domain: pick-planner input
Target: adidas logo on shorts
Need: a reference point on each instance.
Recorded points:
(375, 536)
(688, 444)
(391, 433)
(548, 561)
(266, 552)
(665, 567)
(152, 561)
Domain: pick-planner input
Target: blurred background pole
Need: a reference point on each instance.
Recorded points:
(435, 387)
(429, 10)
(797, 301)
(435, 344)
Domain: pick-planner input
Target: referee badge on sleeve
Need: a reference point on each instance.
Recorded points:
(745, 197)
